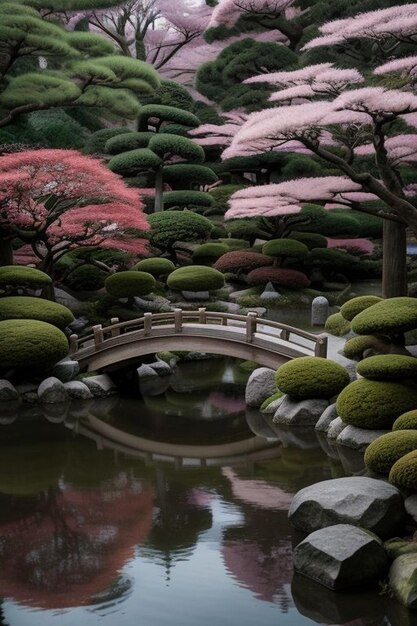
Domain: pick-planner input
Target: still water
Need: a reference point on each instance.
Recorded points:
(170, 509)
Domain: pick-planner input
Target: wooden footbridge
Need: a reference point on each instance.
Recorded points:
(243, 336)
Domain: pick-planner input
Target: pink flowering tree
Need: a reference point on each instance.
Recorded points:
(58, 200)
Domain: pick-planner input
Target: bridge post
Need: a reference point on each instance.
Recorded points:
(178, 320)
(147, 323)
(321, 346)
(98, 335)
(251, 321)
(73, 343)
(285, 334)
(116, 332)
(202, 315)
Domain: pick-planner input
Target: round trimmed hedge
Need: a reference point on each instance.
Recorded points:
(353, 307)
(171, 226)
(86, 278)
(375, 404)
(130, 140)
(129, 284)
(235, 244)
(209, 252)
(289, 248)
(311, 240)
(157, 266)
(283, 277)
(356, 346)
(403, 473)
(382, 453)
(28, 344)
(388, 367)
(390, 317)
(406, 421)
(337, 325)
(195, 278)
(29, 308)
(311, 377)
(21, 275)
(241, 260)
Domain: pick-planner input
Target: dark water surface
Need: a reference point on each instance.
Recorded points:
(166, 510)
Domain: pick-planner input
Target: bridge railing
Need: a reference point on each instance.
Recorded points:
(252, 326)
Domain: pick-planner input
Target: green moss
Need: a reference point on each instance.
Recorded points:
(129, 284)
(311, 377)
(353, 307)
(388, 367)
(29, 308)
(406, 421)
(86, 278)
(248, 366)
(21, 275)
(275, 396)
(356, 346)
(289, 248)
(396, 547)
(337, 325)
(403, 473)
(235, 244)
(390, 317)
(195, 278)
(311, 240)
(31, 344)
(208, 252)
(375, 404)
(157, 266)
(382, 453)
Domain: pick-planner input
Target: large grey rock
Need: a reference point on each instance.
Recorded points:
(336, 427)
(196, 296)
(62, 297)
(56, 412)
(341, 556)
(329, 414)
(260, 386)
(66, 369)
(319, 311)
(100, 385)
(270, 294)
(358, 438)
(78, 324)
(51, 391)
(300, 412)
(410, 504)
(145, 371)
(78, 390)
(161, 368)
(8, 392)
(361, 501)
(156, 304)
(403, 579)
(273, 406)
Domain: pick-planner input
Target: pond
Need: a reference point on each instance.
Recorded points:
(166, 509)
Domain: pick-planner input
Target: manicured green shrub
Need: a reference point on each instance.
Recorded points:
(195, 278)
(234, 244)
(388, 367)
(374, 404)
(96, 143)
(337, 325)
(20, 275)
(187, 174)
(356, 346)
(171, 226)
(311, 240)
(221, 195)
(187, 198)
(129, 284)
(282, 277)
(207, 253)
(406, 421)
(241, 260)
(127, 141)
(311, 377)
(275, 396)
(353, 307)
(166, 144)
(288, 248)
(86, 278)
(29, 308)
(336, 259)
(382, 453)
(31, 344)
(403, 473)
(249, 229)
(133, 161)
(157, 266)
(390, 317)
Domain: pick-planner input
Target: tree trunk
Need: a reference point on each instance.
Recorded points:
(6, 252)
(394, 268)
(159, 199)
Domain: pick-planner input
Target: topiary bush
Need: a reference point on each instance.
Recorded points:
(237, 260)
(22, 276)
(353, 307)
(283, 277)
(406, 421)
(311, 377)
(403, 473)
(337, 325)
(208, 253)
(234, 244)
(171, 226)
(382, 453)
(311, 240)
(96, 143)
(86, 278)
(187, 198)
(195, 278)
(157, 266)
(288, 248)
(127, 141)
(374, 404)
(356, 346)
(31, 344)
(129, 284)
(335, 259)
(390, 317)
(29, 308)
(388, 367)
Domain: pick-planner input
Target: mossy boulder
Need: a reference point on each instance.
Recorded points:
(403, 473)
(388, 367)
(356, 346)
(337, 325)
(389, 317)
(157, 266)
(353, 307)
(30, 308)
(195, 278)
(406, 421)
(20, 275)
(311, 377)
(129, 284)
(382, 453)
(275, 396)
(31, 344)
(375, 404)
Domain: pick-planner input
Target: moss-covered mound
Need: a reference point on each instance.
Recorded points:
(195, 278)
(311, 377)
(406, 421)
(129, 284)
(29, 308)
(236, 260)
(208, 253)
(389, 317)
(171, 226)
(86, 278)
(311, 240)
(157, 266)
(337, 325)
(375, 404)
(388, 367)
(356, 346)
(289, 248)
(282, 277)
(403, 473)
(234, 243)
(382, 453)
(353, 307)
(275, 396)
(31, 344)
(21, 275)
